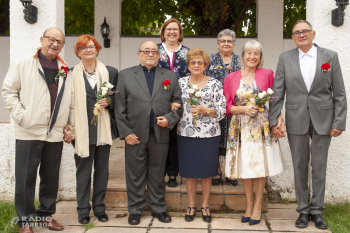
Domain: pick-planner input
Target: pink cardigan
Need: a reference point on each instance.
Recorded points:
(263, 79)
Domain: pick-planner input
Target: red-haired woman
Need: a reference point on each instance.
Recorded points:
(92, 143)
(173, 57)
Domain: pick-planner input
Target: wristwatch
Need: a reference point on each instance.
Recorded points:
(208, 111)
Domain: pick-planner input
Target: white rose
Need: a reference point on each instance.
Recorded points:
(198, 94)
(252, 101)
(104, 89)
(110, 86)
(270, 91)
(195, 87)
(104, 92)
(261, 95)
(191, 91)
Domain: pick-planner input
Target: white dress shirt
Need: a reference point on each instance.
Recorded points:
(308, 65)
(91, 77)
(171, 54)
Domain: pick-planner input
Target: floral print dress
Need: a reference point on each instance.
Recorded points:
(179, 65)
(252, 151)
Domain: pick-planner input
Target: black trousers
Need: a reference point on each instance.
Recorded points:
(172, 161)
(99, 156)
(29, 154)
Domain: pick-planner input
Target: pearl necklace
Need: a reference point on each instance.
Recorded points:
(189, 80)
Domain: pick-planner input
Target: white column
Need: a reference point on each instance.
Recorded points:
(111, 9)
(270, 30)
(336, 39)
(24, 41)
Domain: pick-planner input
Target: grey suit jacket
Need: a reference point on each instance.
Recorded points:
(325, 103)
(134, 103)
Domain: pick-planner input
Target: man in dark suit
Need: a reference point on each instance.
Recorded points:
(144, 119)
(312, 80)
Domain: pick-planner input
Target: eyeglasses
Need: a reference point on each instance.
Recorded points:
(147, 52)
(199, 63)
(226, 41)
(85, 48)
(172, 29)
(52, 40)
(298, 33)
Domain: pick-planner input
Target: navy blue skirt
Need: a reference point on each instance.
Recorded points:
(198, 157)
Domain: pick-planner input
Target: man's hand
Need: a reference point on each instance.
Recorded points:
(175, 106)
(162, 121)
(103, 103)
(132, 139)
(281, 126)
(335, 132)
(67, 131)
(275, 131)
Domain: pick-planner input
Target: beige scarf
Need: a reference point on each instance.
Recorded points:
(81, 120)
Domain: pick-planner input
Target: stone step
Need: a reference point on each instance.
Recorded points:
(223, 197)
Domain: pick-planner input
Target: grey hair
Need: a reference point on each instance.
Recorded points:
(227, 32)
(253, 44)
(301, 21)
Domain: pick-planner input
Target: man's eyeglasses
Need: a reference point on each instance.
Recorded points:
(147, 52)
(226, 41)
(199, 63)
(85, 48)
(52, 40)
(172, 29)
(298, 33)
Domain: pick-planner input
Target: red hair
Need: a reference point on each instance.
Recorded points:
(83, 41)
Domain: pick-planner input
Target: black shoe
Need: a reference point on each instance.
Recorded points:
(303, 220)
(189, 217)
(84, 219)
(172, 181)
(163, 217)
(134, 219)
(319, 221)
(232, 182)
(206, 218)
(216, 181)
(102, 217)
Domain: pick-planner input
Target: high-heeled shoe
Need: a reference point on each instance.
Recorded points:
(216, 181)
(189, 217)
(206, 218)
(245, 219)
(254, 222)
(232, 182)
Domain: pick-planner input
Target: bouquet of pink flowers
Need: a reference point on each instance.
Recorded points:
(104, 92)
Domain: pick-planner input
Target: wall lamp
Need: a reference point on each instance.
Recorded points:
(338, 13)
(105, 32)
(30, 11)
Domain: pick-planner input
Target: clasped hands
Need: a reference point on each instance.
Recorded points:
(68, 131)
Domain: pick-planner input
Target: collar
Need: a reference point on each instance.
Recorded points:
(145, 69)
(312, 52)
(57, 57)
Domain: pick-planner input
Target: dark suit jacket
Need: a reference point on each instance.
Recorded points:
(133, 103)
(325, 103)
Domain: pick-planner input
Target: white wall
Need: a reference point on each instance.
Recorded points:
(4, 65)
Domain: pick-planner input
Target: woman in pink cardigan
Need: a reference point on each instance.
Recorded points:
(252, 152)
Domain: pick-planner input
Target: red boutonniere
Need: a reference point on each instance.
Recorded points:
(61, 72)
(326, 66)
(166, 85)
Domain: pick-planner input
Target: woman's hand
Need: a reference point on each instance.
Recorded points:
(175, 106)
(103, 103)
(251, 110)
(198, 109)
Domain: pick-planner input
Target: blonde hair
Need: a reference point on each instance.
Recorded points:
(253, 44)
(197, 52)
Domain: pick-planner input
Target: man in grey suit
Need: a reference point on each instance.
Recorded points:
(144, 119)
(315, 108)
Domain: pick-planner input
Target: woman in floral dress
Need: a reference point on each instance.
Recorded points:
(221, 64)
(173, 57)
(252, 152)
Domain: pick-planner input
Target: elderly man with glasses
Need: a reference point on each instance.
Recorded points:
(38, 91)
(315, 109)
(144, 118)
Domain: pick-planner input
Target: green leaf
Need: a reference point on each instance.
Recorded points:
(109, 100)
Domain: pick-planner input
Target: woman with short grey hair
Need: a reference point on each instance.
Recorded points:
(221, 64)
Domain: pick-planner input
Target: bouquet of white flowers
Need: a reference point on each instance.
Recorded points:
(194, 94)
(260, 99)
(104, 92)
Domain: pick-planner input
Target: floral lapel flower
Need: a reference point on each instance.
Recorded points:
(218, 67)
(61, 72)
(166, 85)
(326, 66)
